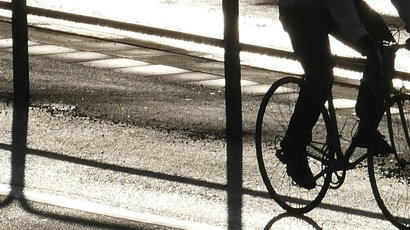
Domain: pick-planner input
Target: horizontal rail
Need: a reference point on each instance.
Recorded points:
(354, 64)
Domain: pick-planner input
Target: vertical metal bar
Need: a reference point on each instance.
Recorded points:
(21, 93)
(233, 113)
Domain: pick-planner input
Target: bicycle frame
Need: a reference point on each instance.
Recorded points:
(401, 113)
(329, 161)
(342, 158)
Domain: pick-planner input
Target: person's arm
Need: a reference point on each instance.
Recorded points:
(403, 7)
(345, 14)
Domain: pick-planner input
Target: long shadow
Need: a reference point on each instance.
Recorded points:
(82, 221)
(233, 104)
(21, 98)
(183, 180)
(304, 220)
(89, 221)
(121, 169)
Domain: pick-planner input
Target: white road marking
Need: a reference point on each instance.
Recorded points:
(100, 209)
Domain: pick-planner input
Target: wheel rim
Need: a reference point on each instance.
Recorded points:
(390, 177)
(273, 119)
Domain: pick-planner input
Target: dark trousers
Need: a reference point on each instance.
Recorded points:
(309, 30)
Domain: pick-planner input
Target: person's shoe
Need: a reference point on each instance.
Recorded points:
(300, 173)
(297, 167)
(381, 147)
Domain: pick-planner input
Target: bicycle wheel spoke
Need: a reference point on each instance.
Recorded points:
(390, 177)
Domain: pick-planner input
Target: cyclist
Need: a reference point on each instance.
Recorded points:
(309, 23)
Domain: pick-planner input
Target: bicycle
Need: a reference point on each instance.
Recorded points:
(389, 176)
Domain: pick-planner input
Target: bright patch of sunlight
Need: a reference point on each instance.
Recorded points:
(339, 48)
(79, 56)
(180, 17)
(152, 69)
(382, 6)
(404, 86)
(271, 63)
(342, 103)
(348, 74)
(201, 18)
(402, 60)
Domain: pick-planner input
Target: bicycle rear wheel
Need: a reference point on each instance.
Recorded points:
(390, 177)
(272, 122)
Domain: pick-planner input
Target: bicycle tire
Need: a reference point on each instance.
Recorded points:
(273, 117)
(390, 177)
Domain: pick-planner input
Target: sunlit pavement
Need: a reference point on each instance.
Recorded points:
(258, 22)
(173, 182)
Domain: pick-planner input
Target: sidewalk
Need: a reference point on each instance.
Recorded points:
(181, 67)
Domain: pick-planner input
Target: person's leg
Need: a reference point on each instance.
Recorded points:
(309, 36)
(370, 107)
(374, 86)
(308, 30)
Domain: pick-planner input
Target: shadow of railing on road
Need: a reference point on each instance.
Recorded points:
(183, 180)
(92, 220)
(21, 99)
(292, 222)
(80, 220)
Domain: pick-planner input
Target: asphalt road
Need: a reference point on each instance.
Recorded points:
(133, 144)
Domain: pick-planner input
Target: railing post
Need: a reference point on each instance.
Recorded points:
(21, 93)
(233, 113)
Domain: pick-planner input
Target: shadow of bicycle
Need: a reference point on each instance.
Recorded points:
(292, 221)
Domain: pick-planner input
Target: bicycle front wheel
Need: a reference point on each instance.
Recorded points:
(273, 118)
(390, 177)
